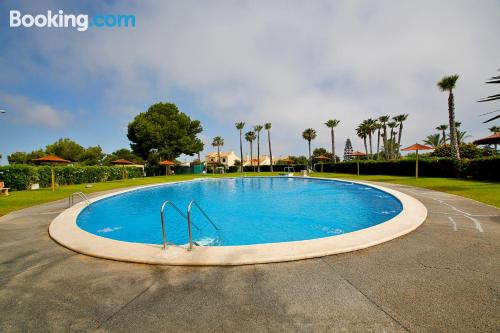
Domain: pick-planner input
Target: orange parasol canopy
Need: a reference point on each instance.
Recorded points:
(121, 162)
(167, 162)
(357, 153)
(322, 157)
(51, 159)
(417, 146)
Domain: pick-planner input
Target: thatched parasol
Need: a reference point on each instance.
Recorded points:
(52, 160)
(122, 162)
(416, 147)
(493, 139)
(321, 158)
(167, 164)
(357, 154)
(213, 164)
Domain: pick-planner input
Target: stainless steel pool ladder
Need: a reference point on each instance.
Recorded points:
(162, 213)
(188, 219)
(82, 196)
(193, 202)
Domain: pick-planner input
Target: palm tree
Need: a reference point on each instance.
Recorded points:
(370, 128)
(250, 137)
(433, 140)
(332, 123)
(309, 135)
(400, 119)
(461, 136)
(378, 126)
(383, 121)
(362, 132)
(443, 129)
(391, 142)
(267, 126)
(240, 126)
(448, 83)
(258, 128)
(218, 142)
(494, 129)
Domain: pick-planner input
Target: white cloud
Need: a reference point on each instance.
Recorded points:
(26, 112)
(295, 64)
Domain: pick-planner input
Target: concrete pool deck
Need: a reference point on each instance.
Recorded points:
(442, 277)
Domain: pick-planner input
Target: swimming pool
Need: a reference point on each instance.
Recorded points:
(261, 220)
(246, 211)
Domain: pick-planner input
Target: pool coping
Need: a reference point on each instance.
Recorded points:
(64, 230)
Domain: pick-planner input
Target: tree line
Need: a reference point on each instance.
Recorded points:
(74, 152)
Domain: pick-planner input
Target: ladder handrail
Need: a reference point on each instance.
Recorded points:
(162, 213)
(189, 221)
(82, 196)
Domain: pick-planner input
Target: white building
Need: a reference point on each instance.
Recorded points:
(228, 158)
(264, 160)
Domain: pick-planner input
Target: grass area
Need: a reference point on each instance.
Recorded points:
(481, 191)
(486, 192)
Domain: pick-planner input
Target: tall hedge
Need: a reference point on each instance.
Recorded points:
(442, 167)
(480, 168)
(21, 177)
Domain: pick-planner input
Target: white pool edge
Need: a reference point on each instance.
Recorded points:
(65, 231)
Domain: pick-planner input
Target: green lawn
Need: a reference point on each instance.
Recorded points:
(486, 192)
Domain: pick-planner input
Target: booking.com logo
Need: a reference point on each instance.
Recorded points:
(60, 20)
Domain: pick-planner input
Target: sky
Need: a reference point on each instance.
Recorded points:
(294, 64)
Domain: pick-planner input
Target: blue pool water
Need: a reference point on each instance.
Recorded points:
(246, 210)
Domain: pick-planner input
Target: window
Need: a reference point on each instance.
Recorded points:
(224, 160)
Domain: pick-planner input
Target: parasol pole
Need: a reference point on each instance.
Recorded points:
(52, 173)
(416, 167)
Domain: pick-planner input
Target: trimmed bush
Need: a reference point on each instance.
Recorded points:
(18, 176)
(21, 177)
(482, 168)
(276, 168)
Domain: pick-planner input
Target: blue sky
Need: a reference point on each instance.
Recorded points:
(292, 63)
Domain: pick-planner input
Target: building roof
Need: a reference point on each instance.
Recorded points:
(222, 154)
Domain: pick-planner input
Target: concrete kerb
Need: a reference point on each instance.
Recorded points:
(65, 231)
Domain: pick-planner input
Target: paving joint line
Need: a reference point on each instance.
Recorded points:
(366, 296)
(123, 307)
(34, 267)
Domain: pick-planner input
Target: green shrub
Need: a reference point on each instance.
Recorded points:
(482, 168)
(276, 168)
(467, 150)
(428, 167)
(18, 176)
(21, 177)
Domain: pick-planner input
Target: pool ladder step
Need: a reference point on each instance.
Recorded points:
(187, 217)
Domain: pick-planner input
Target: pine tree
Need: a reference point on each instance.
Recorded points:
(348, 150)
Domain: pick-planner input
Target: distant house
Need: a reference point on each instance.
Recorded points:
(228, 158)
(264, 160)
